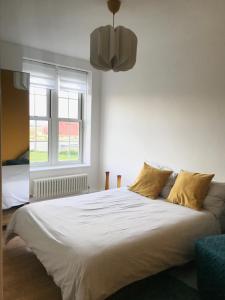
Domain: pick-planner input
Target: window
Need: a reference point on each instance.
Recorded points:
(69, 123)
(39, 124)
(56, 114)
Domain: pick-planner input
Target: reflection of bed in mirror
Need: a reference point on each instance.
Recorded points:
(15, 187)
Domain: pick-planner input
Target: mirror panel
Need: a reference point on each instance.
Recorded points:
(15, 138)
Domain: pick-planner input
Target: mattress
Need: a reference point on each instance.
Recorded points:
(15, 185)
(93, 245)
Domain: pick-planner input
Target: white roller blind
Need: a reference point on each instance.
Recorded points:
(48, 76)
(72, 80)
(40, 74)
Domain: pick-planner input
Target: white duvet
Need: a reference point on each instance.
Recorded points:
(95, 244)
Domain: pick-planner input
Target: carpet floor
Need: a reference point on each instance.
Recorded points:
(26, 279)
(6, 215)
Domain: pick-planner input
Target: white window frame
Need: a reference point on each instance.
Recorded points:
(53, 132)
(47, 118)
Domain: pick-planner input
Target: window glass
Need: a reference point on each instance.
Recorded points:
(68, 105)
(68, 142)
(38, 102)
(38, 141)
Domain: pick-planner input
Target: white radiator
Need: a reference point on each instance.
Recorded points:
(53, 187)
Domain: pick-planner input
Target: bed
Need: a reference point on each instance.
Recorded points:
(93, 245)
(15, 185)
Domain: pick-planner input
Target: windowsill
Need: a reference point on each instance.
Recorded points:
(64, 167)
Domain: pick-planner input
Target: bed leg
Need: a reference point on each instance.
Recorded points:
(107, 180)
(119, 181)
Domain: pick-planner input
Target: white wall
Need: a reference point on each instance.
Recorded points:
(11, 56)
(170, 108)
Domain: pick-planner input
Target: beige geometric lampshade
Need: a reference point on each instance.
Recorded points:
(113, 48)
(125, 49)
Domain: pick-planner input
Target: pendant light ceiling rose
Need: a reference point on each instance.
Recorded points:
(114, 6)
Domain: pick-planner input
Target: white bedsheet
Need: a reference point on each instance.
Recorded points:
(15, 185)
(95, 244)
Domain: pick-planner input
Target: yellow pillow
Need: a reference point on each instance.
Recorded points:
(190, 189)
(150, 181)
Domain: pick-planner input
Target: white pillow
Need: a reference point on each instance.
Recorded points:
(215, 200)
(170, 182)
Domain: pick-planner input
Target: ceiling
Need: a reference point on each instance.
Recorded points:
(64, 26)
(55, 25)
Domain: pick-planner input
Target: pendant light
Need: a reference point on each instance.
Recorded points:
(113, 48)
